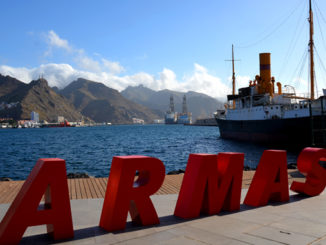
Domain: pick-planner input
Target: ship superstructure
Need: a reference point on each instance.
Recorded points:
(185, 117)
(171, 115)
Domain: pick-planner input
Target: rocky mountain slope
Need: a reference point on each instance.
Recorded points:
(200, 105)
(104, 104)
(19, 100)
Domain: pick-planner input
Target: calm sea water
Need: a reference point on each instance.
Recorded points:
(90, 149)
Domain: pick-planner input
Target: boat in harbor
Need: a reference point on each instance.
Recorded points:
(171, 115)
(264, 112)
(185, 117)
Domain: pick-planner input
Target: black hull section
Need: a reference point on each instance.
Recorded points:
(292, 132)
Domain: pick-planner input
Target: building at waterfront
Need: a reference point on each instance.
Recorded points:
(35, 117)
(60, 119)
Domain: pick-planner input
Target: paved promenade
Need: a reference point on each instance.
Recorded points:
(300, 221)
(95, 187)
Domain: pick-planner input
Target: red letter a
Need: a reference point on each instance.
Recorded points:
(270, 181)
(49, 177)
(308, 164)
(123, 194)
(211, 182)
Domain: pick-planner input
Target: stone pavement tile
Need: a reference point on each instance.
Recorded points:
(127, 234)
(159, 237)
(232, 228)
(106, 239)
(321, 241)
(311, 209)
(258, 216)
(181, 240)
(249, 239)
(281, 236)
(82, 241)
(225, 226)
(301, 226)
(201, 235)
(35, 230)
(135, 241)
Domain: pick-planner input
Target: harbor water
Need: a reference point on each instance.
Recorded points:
(91, 149)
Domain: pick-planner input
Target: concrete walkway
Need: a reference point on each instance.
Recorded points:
(300, 221)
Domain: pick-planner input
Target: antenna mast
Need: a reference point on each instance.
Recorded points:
(311, 49)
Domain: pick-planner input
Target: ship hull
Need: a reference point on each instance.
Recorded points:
(170, 121)
(291, 132)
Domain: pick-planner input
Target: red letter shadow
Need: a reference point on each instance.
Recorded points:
(123, 194)
(211, 183)
(49, 177)
(270, 182)
(308, 164)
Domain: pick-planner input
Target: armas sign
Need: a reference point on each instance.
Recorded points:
(211, 183)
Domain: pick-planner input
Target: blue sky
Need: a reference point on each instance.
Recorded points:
(179, 45)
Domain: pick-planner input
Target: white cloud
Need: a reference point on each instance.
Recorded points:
(88, 64)
(55, 41)
(80, 57)
(113, 67)
(21, 73)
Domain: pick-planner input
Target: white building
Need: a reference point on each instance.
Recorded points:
(35, 116)
(60, 119)
(137, 121)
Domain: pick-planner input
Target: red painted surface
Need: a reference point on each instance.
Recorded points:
(308, 164)
(270, 182)
(230, 171)
(123, 194)
(210, 183)
(47, 177)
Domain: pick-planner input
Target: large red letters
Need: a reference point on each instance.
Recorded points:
(270, 182)
(47, 177)
(123, 194)
(211, 182)
(308, 164)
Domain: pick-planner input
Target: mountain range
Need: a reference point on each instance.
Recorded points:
(94, 101)
(200, 105)
(103, 104)
(19, 100)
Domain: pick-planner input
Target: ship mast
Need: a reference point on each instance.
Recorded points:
(233, 73)
(311, 49)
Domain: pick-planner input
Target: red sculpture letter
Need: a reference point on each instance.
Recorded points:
(308, 164)
(47, 177)
(123, 194)
(230, 171)
(270, 181)
(211, 182)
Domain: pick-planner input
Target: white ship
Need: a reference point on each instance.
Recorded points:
(262, 112)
